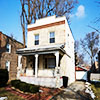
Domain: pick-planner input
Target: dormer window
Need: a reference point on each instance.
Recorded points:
(8, 48)
(36, 39)
(52, 37)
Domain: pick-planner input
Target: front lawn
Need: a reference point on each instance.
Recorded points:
(96, 89)
(9, 95)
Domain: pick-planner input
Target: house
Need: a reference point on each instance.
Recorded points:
(49, 52)
(96, 65)
(81, 73)
(8, 57)
(95, 68)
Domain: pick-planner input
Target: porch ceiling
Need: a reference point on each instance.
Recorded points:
(42, 50)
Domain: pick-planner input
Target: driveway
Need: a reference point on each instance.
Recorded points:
(73, 92)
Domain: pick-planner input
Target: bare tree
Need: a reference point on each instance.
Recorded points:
(90, 44)
(36, 9)
(77, 46)
(95, 29)
(96, 21)
(79, 57)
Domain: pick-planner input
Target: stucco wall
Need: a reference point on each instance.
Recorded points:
(44, 35)
(63, 35)
(67, 68)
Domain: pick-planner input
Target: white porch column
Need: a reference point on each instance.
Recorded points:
(57, 70)
(36, 65)
(57, 58)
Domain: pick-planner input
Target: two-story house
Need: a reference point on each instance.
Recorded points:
(49, 52)
(8, 57)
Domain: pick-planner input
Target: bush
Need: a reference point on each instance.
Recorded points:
(15, 83)
(4, 77)
(25, 87)
(33, 89)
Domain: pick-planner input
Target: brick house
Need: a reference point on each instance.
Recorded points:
(8, 57)
(49, 52)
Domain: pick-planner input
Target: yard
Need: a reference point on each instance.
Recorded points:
(96, 89)
(9, 95)
(14, 94)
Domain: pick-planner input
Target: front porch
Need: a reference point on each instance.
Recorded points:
(43, 67)
(42, 81)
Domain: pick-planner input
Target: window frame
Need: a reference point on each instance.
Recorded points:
(8, 48)
(7, 67)
(49, 60)
(52, 38)
(36, 41)
(47, 63)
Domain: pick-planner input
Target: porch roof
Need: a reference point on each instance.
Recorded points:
(41, 49)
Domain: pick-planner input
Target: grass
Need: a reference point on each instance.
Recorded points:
(96, 89)
(10, 96)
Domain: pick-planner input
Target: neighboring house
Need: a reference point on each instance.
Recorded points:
(49, 52)
(99, 61)
(8, 57)
(81, 73)
(95, 67)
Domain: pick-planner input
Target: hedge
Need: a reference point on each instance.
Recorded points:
(25, 87)
(4, 77)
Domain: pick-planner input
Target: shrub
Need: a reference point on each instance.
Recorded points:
(15, 83)
(3, 77)
(33, 89)
(25, 87)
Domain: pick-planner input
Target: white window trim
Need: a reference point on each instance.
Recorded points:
(8, 65)
(9, 48)
(19, 61)
(52, 37)
(35, 38)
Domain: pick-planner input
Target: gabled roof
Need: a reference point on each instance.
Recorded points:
(10, 38)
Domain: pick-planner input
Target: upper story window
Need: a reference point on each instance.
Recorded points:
(8, 65)
(52, 37)
(36, 39)
(8, 48)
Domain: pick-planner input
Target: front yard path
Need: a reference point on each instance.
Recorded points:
(75, 91)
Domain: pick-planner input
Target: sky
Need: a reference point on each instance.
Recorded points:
(82, 15)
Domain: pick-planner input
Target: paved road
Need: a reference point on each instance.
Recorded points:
(74, 92)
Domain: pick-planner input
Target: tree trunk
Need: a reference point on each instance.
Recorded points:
(24, 37)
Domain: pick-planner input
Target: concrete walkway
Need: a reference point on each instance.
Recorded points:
(73, 92)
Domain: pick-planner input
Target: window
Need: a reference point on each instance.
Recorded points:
(8, 65)
(36, 39)
(8, 48)
(51, 63)
(52, 37)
